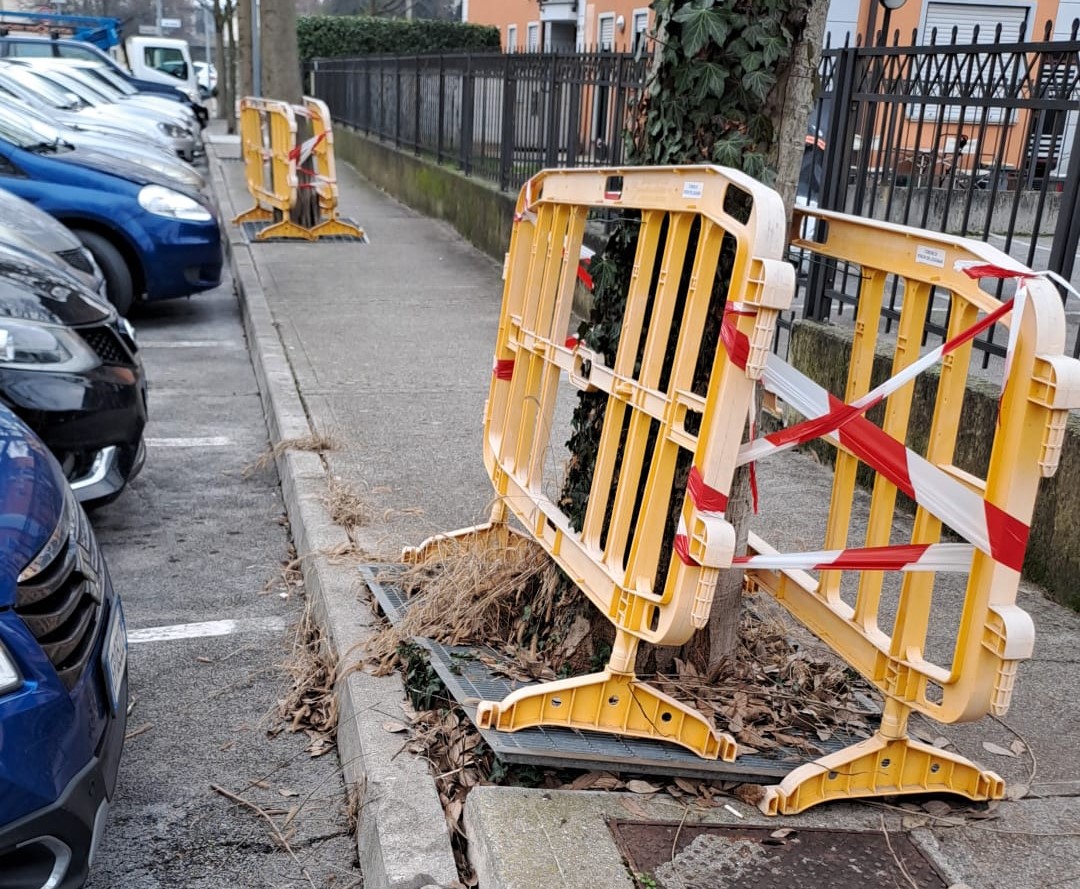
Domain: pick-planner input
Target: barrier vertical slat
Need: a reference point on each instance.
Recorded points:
(897, 414)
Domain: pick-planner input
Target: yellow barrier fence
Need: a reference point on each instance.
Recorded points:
(267, 138)
(316, 157)
(653, 416)
(875, 604)
(279, 169)
(875, 599)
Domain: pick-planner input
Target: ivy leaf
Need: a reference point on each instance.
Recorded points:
(758, 83)
(697, 27)
(773, 49)
(710, 79)
(752, 61)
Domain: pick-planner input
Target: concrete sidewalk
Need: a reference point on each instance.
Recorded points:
(387, 347)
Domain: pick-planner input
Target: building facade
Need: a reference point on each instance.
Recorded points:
(618, 25)
(563, 25)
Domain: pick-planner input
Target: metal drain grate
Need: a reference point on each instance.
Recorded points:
(251, 229)
(674, 854)
(470, 680)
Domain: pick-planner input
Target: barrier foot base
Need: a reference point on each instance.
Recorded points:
(285, 228)
(608, 702)
(490, 534)
(255, 214)
(335, 227)
(880, 766)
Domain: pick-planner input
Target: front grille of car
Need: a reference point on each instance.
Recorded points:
(62, 604)
(108, 345)
(78, 259)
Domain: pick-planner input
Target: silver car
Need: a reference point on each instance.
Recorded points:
(184, 142)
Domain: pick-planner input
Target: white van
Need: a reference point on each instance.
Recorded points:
(163, 60)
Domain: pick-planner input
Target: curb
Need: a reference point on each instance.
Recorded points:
(402, 838)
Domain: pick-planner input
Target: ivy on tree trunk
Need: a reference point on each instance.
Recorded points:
(732, 83)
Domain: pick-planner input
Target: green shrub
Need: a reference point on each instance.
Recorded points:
(322, 36)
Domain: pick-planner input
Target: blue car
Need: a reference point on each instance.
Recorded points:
(63, 673)
(152, 238)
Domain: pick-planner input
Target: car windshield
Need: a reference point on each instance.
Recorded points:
(77, 85)
(45, 90)
(112, 79)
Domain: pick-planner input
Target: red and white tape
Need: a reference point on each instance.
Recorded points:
(907, 557)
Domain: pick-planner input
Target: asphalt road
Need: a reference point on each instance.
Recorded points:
(196, 547)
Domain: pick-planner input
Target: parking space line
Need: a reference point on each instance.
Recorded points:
(205, 629)
(209, 441)
(190, 344)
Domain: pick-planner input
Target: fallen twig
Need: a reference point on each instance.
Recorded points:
(273, 826)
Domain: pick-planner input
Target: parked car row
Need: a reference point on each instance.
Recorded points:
(100, 210)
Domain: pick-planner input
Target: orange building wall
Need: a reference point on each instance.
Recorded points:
(503, 13)
(519, 12)
(909, 17)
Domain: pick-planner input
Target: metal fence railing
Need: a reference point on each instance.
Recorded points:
(498, 117)
(978, 138)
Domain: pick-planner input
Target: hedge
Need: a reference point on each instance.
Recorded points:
(322, 36)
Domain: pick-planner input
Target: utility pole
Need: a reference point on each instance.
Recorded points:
(256, 48)
(409, 9)
(158, 16)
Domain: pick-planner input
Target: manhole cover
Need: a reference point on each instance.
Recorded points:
(715, 857)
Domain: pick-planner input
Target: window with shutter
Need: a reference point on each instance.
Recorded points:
(607, 32)
(973, 76)
(532, 36)
(965, 17)
(511, 38)
(641, 27)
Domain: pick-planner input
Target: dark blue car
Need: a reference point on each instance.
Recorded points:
(152, 238)
(63, 672)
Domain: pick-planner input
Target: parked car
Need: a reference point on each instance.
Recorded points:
(41, 238)
(206, 75)
(71, 369)
(152, 239)
(182, 136)
(24, 45)
(30, 87)
(63, 673)
(163, 164)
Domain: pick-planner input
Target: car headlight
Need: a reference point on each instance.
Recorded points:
(9, 675)
(165, 202)
(174, 131)
(32, 345)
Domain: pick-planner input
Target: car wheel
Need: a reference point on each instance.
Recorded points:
(119, 286)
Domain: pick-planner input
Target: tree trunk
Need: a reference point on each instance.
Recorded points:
(245, 77)
(280, 53)
(731, 83)
(230, 53)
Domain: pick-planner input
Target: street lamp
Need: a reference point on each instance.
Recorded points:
(889, 5)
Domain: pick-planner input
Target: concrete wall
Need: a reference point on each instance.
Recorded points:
(478, 210)
(1053, 556)
(1035, 210)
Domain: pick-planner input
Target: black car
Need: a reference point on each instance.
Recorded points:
(70, 368)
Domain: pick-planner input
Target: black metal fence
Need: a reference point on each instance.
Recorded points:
(498, 117)
(975, 138)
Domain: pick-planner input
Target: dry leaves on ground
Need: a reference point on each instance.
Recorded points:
(309, 706)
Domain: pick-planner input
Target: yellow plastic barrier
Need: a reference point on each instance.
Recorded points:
(267, 142)
(615, 558)
(324, 171)
(883, 631)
